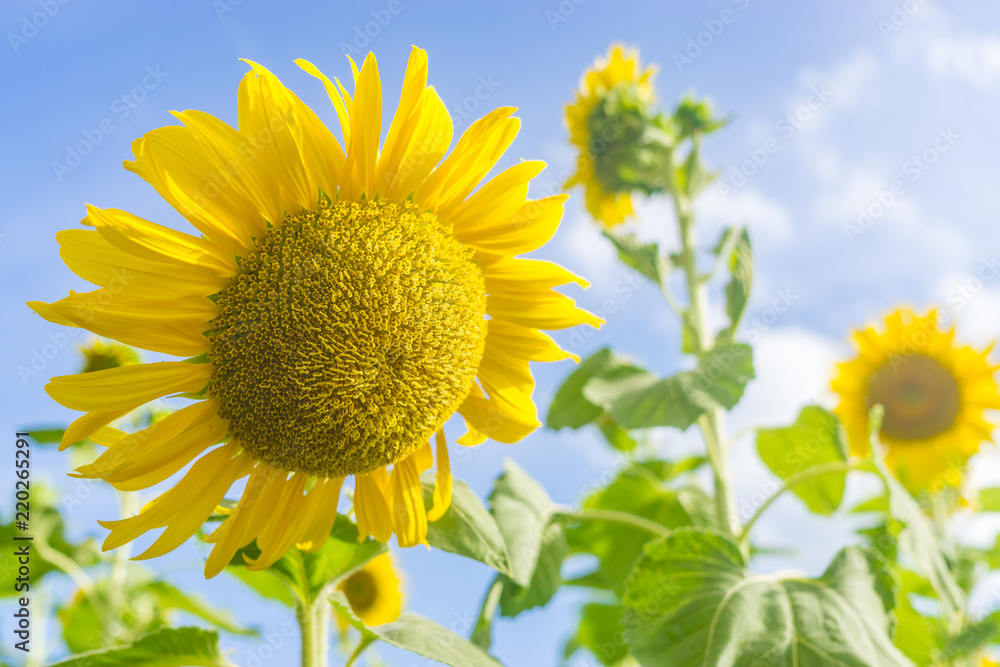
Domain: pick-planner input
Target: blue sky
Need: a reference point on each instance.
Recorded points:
(861, 155)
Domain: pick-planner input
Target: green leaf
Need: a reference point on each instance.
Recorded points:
(615, 435)
(467, 528)
(600, 632)
(814, 439)
(419, 635)
(691, 177)
(643, 257)
(692, 601)
(309, 572)
(536, 545)
(741, 279)
(635, 490)
(46, 435)
(167, 647)
(170, 597)
(267, 583)
(523, 511)
(637, 399)
(916, 538)
(569, 407)
(546, 578)
(917, 636)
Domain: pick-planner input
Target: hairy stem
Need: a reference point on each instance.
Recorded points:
(712, 423)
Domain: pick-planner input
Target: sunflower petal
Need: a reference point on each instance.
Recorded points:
(409, 515)
(443, 481)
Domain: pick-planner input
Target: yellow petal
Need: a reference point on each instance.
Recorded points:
(193, 510)
(366, 130)
(132, 447)
(442, 482)
(237, 168)
(315, 534)
(157, 243)
(423, 141)
(174, 162)
(203, 486)
(127, 386)
(409, 515)
(372, 506)
(474, 156)
(528, 229)
(505, 418)
(108, 310)
(305, 155)
(90, 256)
(498, 200)
(85, 426)
(229, 537)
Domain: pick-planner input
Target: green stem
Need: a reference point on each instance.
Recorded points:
(365, 642)
(617, 517)
(712, 423)
(313, 615)
(791, 482)
(314, 622)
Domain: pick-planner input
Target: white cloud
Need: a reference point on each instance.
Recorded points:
(929, 41)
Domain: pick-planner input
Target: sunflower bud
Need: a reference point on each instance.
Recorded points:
(101, 355)
(630, 143)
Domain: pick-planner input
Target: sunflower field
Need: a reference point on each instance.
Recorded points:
(568, 333)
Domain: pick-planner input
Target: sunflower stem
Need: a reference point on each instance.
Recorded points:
(314, 622)
(712, 423)
(483, 630)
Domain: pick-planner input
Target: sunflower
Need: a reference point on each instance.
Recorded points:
(934, 394)
(619, 73)
(373, 592)
(335, 309)
(100, 355)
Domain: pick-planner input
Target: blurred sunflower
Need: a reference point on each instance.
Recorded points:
(337, 307)
(373, 592)
(933, 391)
(599, 125)
(99, 355)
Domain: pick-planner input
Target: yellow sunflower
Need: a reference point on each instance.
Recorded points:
(619, 70)
(373, 592)
(337, 306)
(934, 394)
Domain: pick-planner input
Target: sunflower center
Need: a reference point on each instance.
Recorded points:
(920, 396)
(349, 337)
(360, 590)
